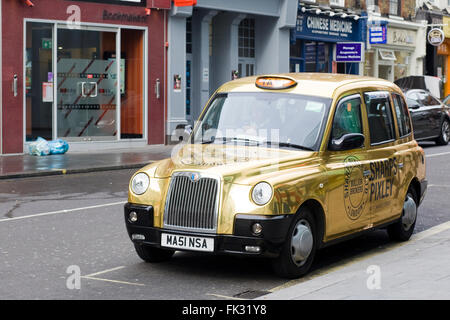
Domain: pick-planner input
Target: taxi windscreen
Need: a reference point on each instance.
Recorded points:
(264, 119)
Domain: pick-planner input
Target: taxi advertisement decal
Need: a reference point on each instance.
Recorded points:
(382, 178)
(356, 188)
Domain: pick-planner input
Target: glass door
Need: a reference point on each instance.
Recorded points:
(88, 87)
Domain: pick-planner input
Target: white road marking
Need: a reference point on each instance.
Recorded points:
(104, 271)
(114, 281)
(62, 211)
(436, 154)
(414, 238)
(224, 297)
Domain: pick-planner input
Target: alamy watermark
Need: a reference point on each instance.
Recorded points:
(374, 280)
(73, 281)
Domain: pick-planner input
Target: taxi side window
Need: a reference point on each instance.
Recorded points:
(379, 114)
(401, 110)
(347, 118)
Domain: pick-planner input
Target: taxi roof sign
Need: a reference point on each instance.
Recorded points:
(275, 82)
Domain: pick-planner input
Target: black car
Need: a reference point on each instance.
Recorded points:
(430, 117)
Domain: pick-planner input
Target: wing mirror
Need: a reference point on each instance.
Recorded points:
(347, 142)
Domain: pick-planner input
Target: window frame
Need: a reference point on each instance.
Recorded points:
(342, 100)
(394, 130)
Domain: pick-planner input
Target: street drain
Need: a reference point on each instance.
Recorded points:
(251, 294)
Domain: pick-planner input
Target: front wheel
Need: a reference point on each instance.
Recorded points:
(152, 254)
(404, 228)
(298, 251)
(445, 133)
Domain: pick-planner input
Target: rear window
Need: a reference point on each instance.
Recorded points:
(379, 114)
(401, 110)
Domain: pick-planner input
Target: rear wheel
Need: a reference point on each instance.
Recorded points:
(298, 251)
(152, 254)
(404, 228)
(445, 133)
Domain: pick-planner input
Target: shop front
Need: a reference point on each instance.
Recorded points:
(396, 48)
(83, 71)
(316, 40)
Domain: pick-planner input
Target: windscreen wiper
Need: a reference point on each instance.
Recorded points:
(288, 145)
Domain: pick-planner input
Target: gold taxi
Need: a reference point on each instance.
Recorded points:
(281, 166)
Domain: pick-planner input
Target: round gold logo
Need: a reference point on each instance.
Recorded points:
(356, 188)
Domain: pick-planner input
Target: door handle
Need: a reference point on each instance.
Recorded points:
(82, 90)
(157, 88)
(96, 90)
(15, 85)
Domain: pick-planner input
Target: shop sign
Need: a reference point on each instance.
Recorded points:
(436, 37)
(141, 3)
(324, 28)
(349, 52)
(401, 37)
(123, 17)
(446, 27)
(377, 34)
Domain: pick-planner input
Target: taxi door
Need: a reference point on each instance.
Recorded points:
(404, 156)
(383, 166)
(347, 186)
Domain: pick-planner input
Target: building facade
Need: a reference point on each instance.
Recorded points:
(329, 37)
(91, 72)
(395, 39)
(215, 41)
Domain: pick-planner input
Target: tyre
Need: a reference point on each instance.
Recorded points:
(445, 133)
(152, 254)
(298, 251)
(404, 228)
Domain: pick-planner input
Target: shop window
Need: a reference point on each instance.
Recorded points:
(337, 3)
(387, 55)
(317, 57)
(369, 64)
(401, 64)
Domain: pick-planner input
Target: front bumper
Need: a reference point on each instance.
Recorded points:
(275, 229)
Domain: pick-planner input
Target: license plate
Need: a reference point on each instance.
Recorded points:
(177, 241)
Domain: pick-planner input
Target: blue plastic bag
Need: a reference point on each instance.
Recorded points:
(40, 147)
(58, 146)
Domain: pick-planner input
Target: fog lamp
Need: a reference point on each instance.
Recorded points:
(133, 216)
(257, 229)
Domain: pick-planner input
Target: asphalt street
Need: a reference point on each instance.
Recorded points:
(51, 225)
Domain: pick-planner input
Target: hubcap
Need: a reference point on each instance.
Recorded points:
(409, 212)
(445, 131)
(301, 242)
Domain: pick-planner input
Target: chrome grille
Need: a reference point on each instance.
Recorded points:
(191, 202)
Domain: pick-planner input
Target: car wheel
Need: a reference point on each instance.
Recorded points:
(299, 249)
(152, 254)
(445, 133)
(404, 228)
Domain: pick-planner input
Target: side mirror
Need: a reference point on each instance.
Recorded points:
(347, 142)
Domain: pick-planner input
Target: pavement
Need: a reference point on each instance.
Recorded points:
(416, 269)
(25, 165)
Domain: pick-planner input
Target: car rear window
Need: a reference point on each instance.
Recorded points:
(379, 114)
(401, 110)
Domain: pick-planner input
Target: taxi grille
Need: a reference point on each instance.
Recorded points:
(191, 205)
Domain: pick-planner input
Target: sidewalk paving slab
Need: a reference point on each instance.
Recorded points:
(413, 270)
(22, 166)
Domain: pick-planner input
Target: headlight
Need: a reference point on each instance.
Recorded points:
(140, 183)
(262, 193)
